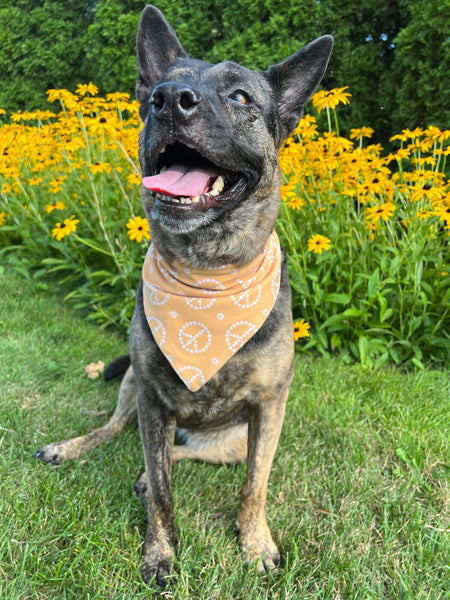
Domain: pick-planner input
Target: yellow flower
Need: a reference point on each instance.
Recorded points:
(101, 123)
(383, 211)
(426, 191)
(65, 228)
(318, 243)
(3, 217)
(436, 135)
(399, 155)
(55, 186)
(87, 88)
(55, 206)
(443, 213)
(307, 127)
(134, 179)
(324, 99)
(138, 228)
(356, 134)
(295, 202)
(301, 329)
(99, 167)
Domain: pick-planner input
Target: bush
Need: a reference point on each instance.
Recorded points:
(366, 234)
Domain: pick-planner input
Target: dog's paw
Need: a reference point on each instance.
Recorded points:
(140, 488)
(258, 547)
(51, 454)
(156, 566)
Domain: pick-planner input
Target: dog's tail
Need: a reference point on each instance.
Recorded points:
(117, 367)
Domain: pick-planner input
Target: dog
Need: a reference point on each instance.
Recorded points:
(211, 192)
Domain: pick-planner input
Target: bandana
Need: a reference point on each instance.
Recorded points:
(200, 318)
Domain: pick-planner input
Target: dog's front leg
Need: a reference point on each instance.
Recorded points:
(157, 429)
(265, 421)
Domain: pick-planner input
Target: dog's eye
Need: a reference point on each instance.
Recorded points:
(240, 97)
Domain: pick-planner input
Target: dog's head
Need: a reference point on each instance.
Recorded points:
(212, 132)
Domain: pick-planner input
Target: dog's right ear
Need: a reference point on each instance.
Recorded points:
(157, 46)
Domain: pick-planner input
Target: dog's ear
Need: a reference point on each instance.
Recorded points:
(296, 78)
(157, 46)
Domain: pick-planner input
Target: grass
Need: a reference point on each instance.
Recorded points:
(358, 499)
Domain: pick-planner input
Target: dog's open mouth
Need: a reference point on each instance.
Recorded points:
(187, 180)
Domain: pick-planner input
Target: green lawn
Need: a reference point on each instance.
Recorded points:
(358, 500)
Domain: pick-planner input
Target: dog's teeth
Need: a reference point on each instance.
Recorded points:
(185, 200)
(214, 192)
(163, 169)
(195, 199)
(218, 186)
(163, 150)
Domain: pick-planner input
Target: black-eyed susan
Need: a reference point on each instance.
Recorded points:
(84, 89)
(307, 128)
(330, 99)
(295, 202)
(57, 205)
(134, 179)
(301, 329)
(100, 167)
(443, 212)
(138, 228)
(65, 228)
(426, 190)
(381, 211)
(318, 243)
(55, 185)
(3, 217)
(356, 134)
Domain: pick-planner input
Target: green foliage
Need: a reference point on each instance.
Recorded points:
(392, 55)
(420, 65)
(41, 47)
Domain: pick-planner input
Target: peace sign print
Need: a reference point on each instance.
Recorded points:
(275, 285)
(156, 296)
(208, 285)
(238, 334)
(248, 298)
(158, 330)
(194, 337)
(200, 303)
(192, 376)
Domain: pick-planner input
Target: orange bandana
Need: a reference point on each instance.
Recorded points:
(201, 317)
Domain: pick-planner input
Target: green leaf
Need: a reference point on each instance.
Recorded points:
(336, 298)
(353, 312)
(363, 347)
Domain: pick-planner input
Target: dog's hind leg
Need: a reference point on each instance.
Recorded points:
(217, 447)
(125, 411)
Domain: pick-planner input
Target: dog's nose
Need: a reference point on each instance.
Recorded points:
(174, 100)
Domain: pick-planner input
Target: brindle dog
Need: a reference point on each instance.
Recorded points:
(234, 120)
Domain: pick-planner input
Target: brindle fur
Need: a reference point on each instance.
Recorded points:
(249, 392)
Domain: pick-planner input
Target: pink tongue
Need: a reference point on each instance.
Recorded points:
(180, 180)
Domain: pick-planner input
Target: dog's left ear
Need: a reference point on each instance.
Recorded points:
(157, 46)
(296, 78)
